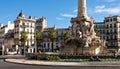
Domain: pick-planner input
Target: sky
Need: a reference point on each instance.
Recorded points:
(57, 12)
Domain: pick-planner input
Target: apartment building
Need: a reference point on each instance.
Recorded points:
(3, 31)
(100, 27)
(23, 23)
(29, 25)
(46, 43)
(10, 47)
(110, 31)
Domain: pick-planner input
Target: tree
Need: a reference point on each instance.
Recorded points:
(97, 32)
(52, 36)
(37, 38)
(66, 35)
(23, 39)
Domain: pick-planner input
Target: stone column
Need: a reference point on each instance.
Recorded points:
(82, 9)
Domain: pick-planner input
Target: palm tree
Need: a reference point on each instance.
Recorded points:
(37, 38)
(23, 39)
(66, 35)
(52, 36)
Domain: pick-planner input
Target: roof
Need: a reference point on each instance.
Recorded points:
(112, 16)
(49, 28)
(99, 23)
(21, 14)
(62, 29)
(4, 27)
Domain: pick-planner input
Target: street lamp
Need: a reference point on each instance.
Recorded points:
(35, 46)
(3, 50)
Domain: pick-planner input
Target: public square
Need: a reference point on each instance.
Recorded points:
(73, 36)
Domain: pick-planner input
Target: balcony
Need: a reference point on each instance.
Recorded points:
(31, 33)
(24, 26)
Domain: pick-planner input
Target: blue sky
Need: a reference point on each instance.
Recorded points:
(57, 12)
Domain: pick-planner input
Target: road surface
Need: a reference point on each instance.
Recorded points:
(6, 65)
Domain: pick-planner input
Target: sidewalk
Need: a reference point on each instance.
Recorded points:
(48, 63)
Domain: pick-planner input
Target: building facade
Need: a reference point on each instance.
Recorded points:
(22, 23)
(109, 31)
(29, 25)
(3, 31)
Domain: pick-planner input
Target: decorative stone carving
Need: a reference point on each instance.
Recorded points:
(83, 32)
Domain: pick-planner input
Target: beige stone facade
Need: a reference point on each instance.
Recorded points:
(3, 31)
(109, 31)
(23, 23)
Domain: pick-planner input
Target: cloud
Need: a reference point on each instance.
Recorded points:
(75, 10)
(68, 15)
(100, 7)
(110, 0)
(103, 9)
(58, 18)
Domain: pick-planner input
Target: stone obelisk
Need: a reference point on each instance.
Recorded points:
(82, 9)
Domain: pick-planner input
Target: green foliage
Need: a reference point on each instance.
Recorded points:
(53, 58)
(30, 56)
(66, 35)
(74, 60)
(38, 35)
(24, 36)
(42, 56)
(52, 35)
(97, 32)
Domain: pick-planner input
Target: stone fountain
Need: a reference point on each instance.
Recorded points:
(82, 29)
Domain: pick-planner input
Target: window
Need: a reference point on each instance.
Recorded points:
(115, 25)
(111, 37)
(107, 37)
(111, 19)
(115, 31)
(110, 25)
(103, 31)
(28, 30)
(115, 37)
(44, 45)
(31, 31)
(107, 26)
(114, 19)
(23, 24)
(107, 20)
(111, 31)
(107, 31)
(27, 24)
(48, 45)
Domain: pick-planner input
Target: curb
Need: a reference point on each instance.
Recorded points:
(48, 63)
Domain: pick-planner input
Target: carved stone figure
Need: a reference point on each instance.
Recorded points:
(83, 30)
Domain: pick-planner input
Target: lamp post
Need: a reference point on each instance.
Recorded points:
(3, 50)
(35, 46)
